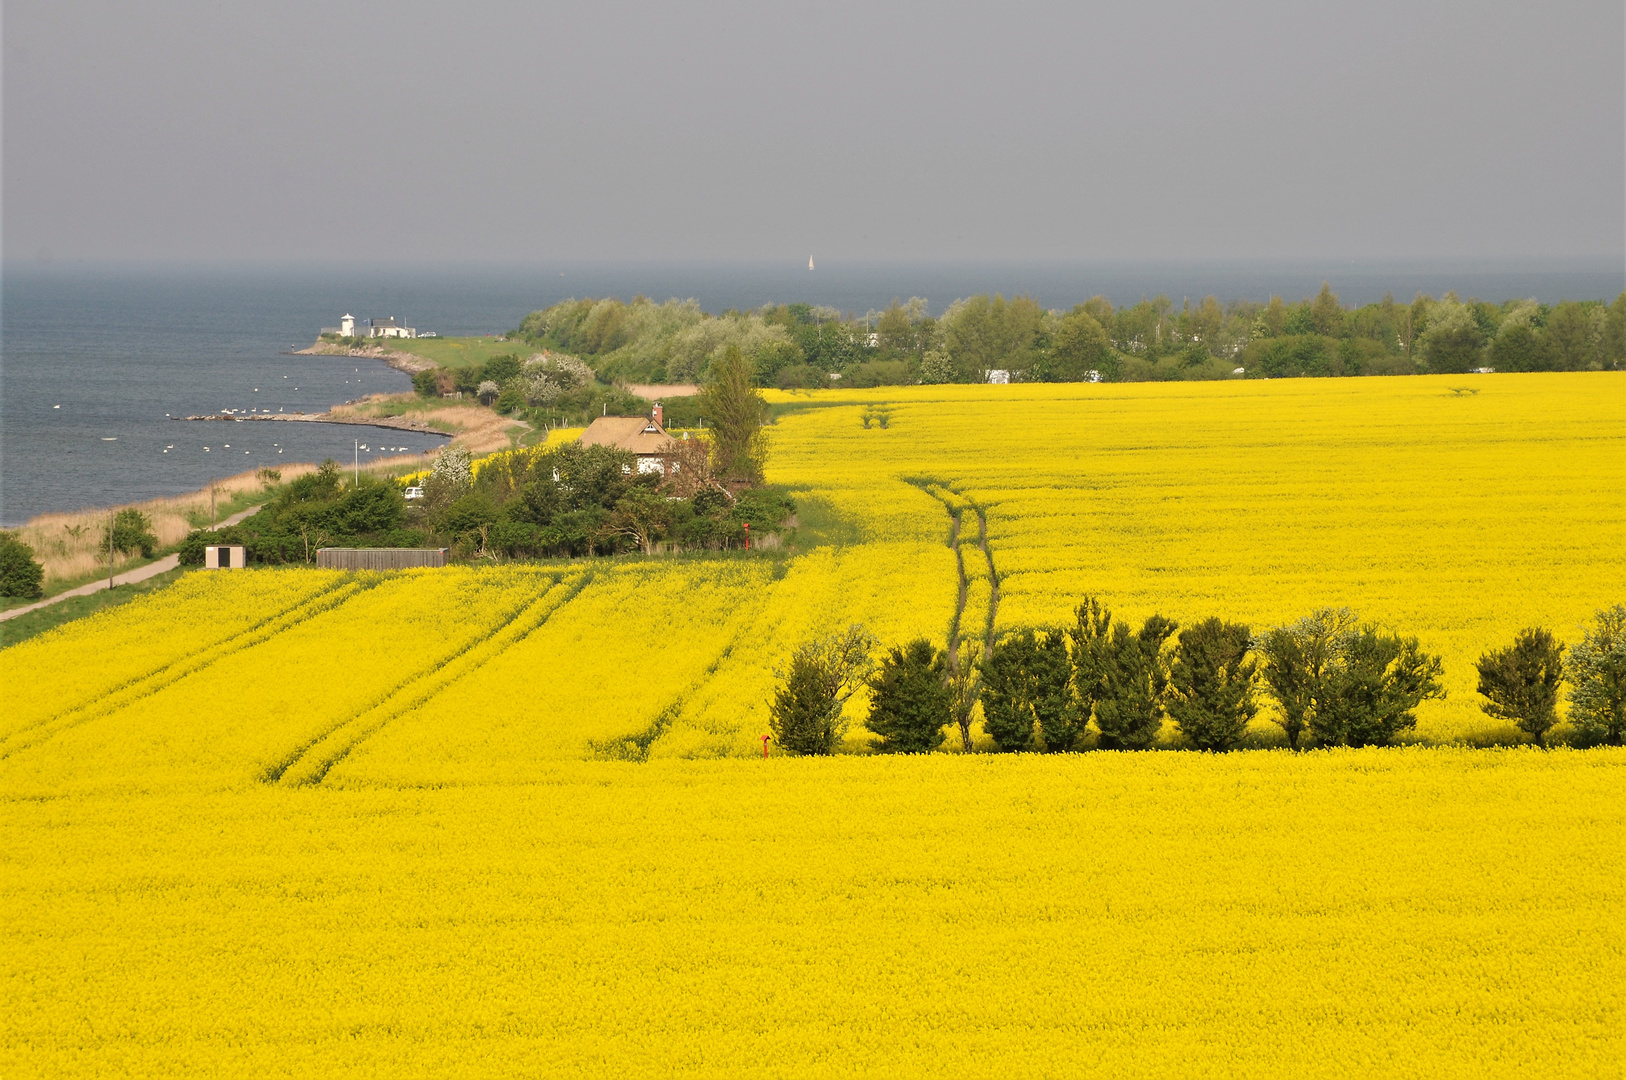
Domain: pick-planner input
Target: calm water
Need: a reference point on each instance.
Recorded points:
(94, 360)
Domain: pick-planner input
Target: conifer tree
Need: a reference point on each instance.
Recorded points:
(1211, 692)
(1135, 679)
(735, 410)
(1520, 682)
(911, 700)
(805, 715)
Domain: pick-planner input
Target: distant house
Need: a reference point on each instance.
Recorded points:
(386, 327)
(643, 436)
(999, 376)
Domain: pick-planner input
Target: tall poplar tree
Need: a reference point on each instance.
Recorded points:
(736, 411)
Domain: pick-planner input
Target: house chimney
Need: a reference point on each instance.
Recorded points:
(658, 416)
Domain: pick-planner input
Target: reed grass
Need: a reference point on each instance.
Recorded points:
(70, 547)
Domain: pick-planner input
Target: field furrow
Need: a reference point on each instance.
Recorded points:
(56, 673)
(314, 761)
(231, 722)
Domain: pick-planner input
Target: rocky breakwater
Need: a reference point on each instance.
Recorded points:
(401, 423)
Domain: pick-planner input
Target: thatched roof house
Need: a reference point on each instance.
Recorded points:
(643, 436)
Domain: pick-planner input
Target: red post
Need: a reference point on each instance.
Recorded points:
(765, 739)
(748, 548)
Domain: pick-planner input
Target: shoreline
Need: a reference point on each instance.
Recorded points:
(400, 361)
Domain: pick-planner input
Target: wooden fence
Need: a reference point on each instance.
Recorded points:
(379, 558)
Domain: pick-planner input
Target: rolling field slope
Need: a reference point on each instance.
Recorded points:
(442, 822)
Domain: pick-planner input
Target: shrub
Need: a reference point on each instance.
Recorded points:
(191, 551)
(801, 377)
(20, 574)
(455, 468)
(132, 532)
(1520, 683)
(911, 700)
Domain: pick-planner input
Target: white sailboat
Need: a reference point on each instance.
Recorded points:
(810, 262)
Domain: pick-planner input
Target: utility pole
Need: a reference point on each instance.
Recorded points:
(110, 550)
(211, 504)
(358, 462)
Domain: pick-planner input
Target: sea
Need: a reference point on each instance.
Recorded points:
(97, 361)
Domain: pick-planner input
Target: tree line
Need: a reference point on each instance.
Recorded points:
(1103, 683)
(801, 345)
(544, 389)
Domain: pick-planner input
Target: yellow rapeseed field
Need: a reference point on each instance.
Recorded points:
(1413, 912)
(452, 822)
(1457, 508)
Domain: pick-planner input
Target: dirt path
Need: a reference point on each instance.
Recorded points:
(129, 577)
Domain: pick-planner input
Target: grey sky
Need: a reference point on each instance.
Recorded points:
(293, 130)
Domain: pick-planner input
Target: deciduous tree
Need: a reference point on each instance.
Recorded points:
(1453, 339)
(1081, 346)
(965, 683)
(1090, 636)
(1297, 659)
(1375, 684)
(1026, 701)
(1597, 675)
(1326, 313)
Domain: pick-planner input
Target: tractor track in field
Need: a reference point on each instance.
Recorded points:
(173, 671)
(310, 762)
(957, 541)
(993, 578)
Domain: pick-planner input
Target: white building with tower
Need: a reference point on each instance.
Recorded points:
(370, 328)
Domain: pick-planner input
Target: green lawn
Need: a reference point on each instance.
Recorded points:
(458, 352)
(24, 627)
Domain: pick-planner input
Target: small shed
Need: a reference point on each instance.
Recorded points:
(224, 557)
(379, 558)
